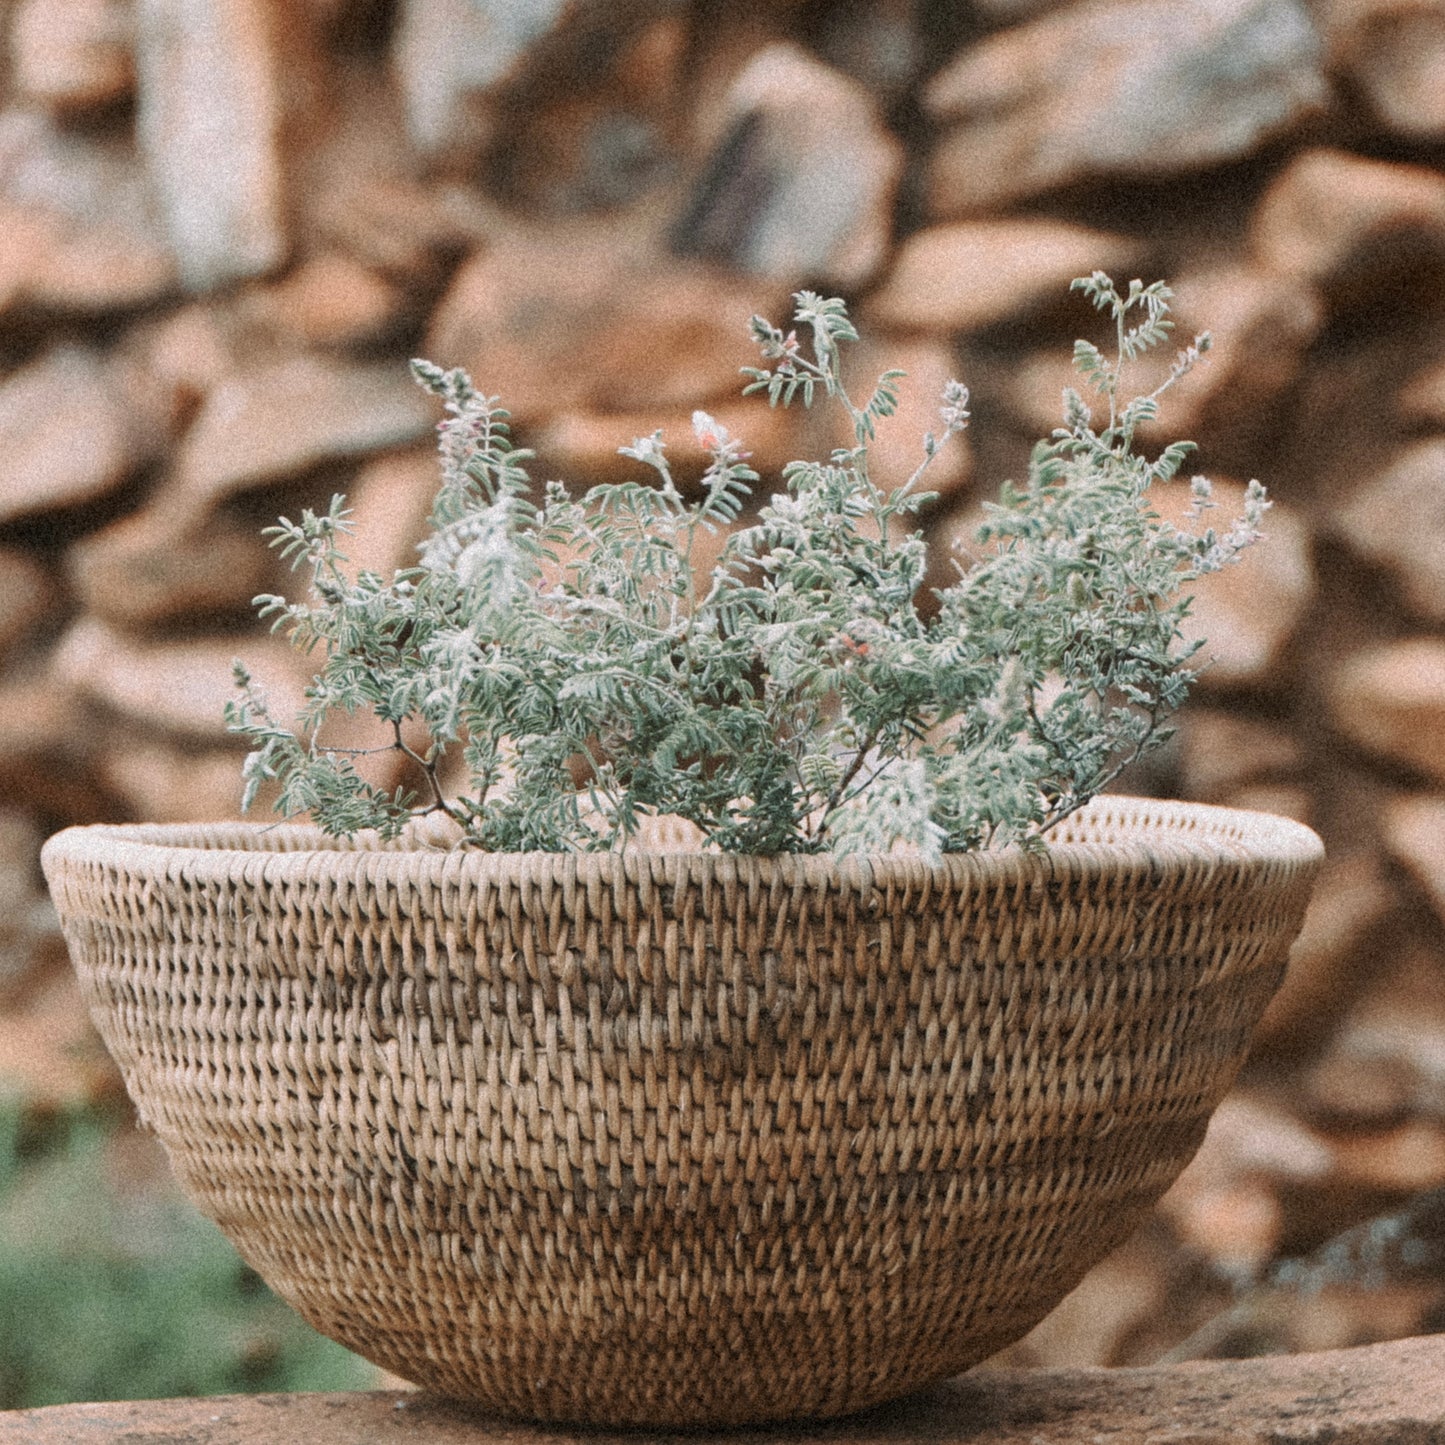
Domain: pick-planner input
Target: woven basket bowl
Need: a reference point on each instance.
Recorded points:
(674, 1139)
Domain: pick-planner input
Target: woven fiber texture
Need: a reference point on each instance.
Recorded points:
(680, 1139)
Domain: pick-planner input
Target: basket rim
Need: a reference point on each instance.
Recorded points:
(1113, 833)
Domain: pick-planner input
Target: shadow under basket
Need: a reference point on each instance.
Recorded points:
(680, 1139)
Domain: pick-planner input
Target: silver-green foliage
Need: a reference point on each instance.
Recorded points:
(794, 698)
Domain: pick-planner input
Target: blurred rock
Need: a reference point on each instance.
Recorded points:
(975, 273)
(1379, 1071)
(590, 116)
(1225, 1203)
(65, 436)
(557, 101)
(1260, 325)
(1237, 1225)
(1414, 831)
(1423, 400)
(1379, 1278)
(167, 367)
(29, 930)
(446, 50)
(28, 235)
(1390, 699)
(1010, 12)
(333, 301)
(1404, 1159)
(163, 783)
(172, 780)
(1346, 929)
(1220, 752)
(1401, 1247)
(1344, 1093)
(1096, 1322)
(391, 500)
(593, 318)
(801, 186)
(1118, 87)
(161, 565)
(1393, 52)
(1396, 521)
(581, 152)
(1032, 390)
(1250, 1134)
(27, 597)
(50, 1054)
(279, 420)
(46, 753)
(1249, 613)
(72, 56)
(651, 66)
(99, 268)
(214, 95)
(163, 749)
(82, 228)
(410, 233)
(1284, 800)
(878, 44)
(1408, 1000)
(177, 689)
(1349, 225)
(720, 49)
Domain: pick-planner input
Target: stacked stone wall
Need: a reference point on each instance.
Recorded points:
(225, 227)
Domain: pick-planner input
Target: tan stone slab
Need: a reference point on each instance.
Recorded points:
(1336, 219)
(211, 112)
(65, 439)
(1377, 1395)
(1117, 88)
(807, 146)
(597, 317)
(71, 55)
(970, 274)
(1390, 699)
(278, 420)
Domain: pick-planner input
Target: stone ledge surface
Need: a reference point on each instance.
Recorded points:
(1391, 1394)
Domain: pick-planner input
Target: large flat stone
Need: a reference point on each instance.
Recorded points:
(212, 101)
(597, 317)
(71, 56)
(1394, 52)
(1395, 521)
(177, 689)
(1348, 224)
(975, 273)
(1390, 699)
(65, 439)
(1118, 88)
(801, 184)
(160, 565)
(445, 50)
(1248, 614)
(82, 229)
(278, 420)
(1392, 1394)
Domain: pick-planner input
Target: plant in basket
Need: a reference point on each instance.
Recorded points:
(792, 700)
(783, 1020)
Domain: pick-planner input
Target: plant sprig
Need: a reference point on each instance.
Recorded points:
(792, 698)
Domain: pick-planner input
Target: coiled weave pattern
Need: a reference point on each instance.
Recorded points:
(680, 1139)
